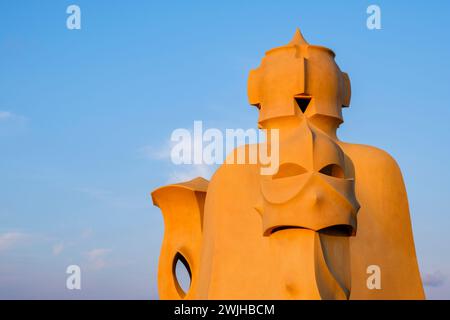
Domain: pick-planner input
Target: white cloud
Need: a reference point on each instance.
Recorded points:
(189, 172)
(58, 248)
(164, 150)
(10, 116)
(97, 257)
(5, 115)
(11, 123)
(114, 200)
(180, 172)
(434, 279)
(10, 239)
(154, 153)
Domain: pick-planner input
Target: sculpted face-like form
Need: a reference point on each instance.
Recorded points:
(314, 186)
(299, 79)
(312, 229)
(300, 91)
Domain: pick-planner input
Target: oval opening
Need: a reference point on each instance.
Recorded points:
(182, 274)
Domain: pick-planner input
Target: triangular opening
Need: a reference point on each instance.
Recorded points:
(333, 170)
(303, 103)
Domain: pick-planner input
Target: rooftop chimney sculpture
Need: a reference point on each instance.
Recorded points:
(313, 230)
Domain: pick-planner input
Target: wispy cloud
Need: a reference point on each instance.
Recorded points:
(10, 239)
(163, 151)
(11, 123)
(156, 153)
(57, 249)
(114, 200)
(10, 116)
(97, 257)
(189, 172)
(434, 279)
(180, 172)
(5, 115)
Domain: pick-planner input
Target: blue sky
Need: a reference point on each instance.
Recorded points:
(85, 116)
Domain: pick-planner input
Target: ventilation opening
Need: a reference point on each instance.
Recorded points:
(289, 170)
(281, 228)
(333, 170)
(340, 230)
(303, 102)
(182, 274)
